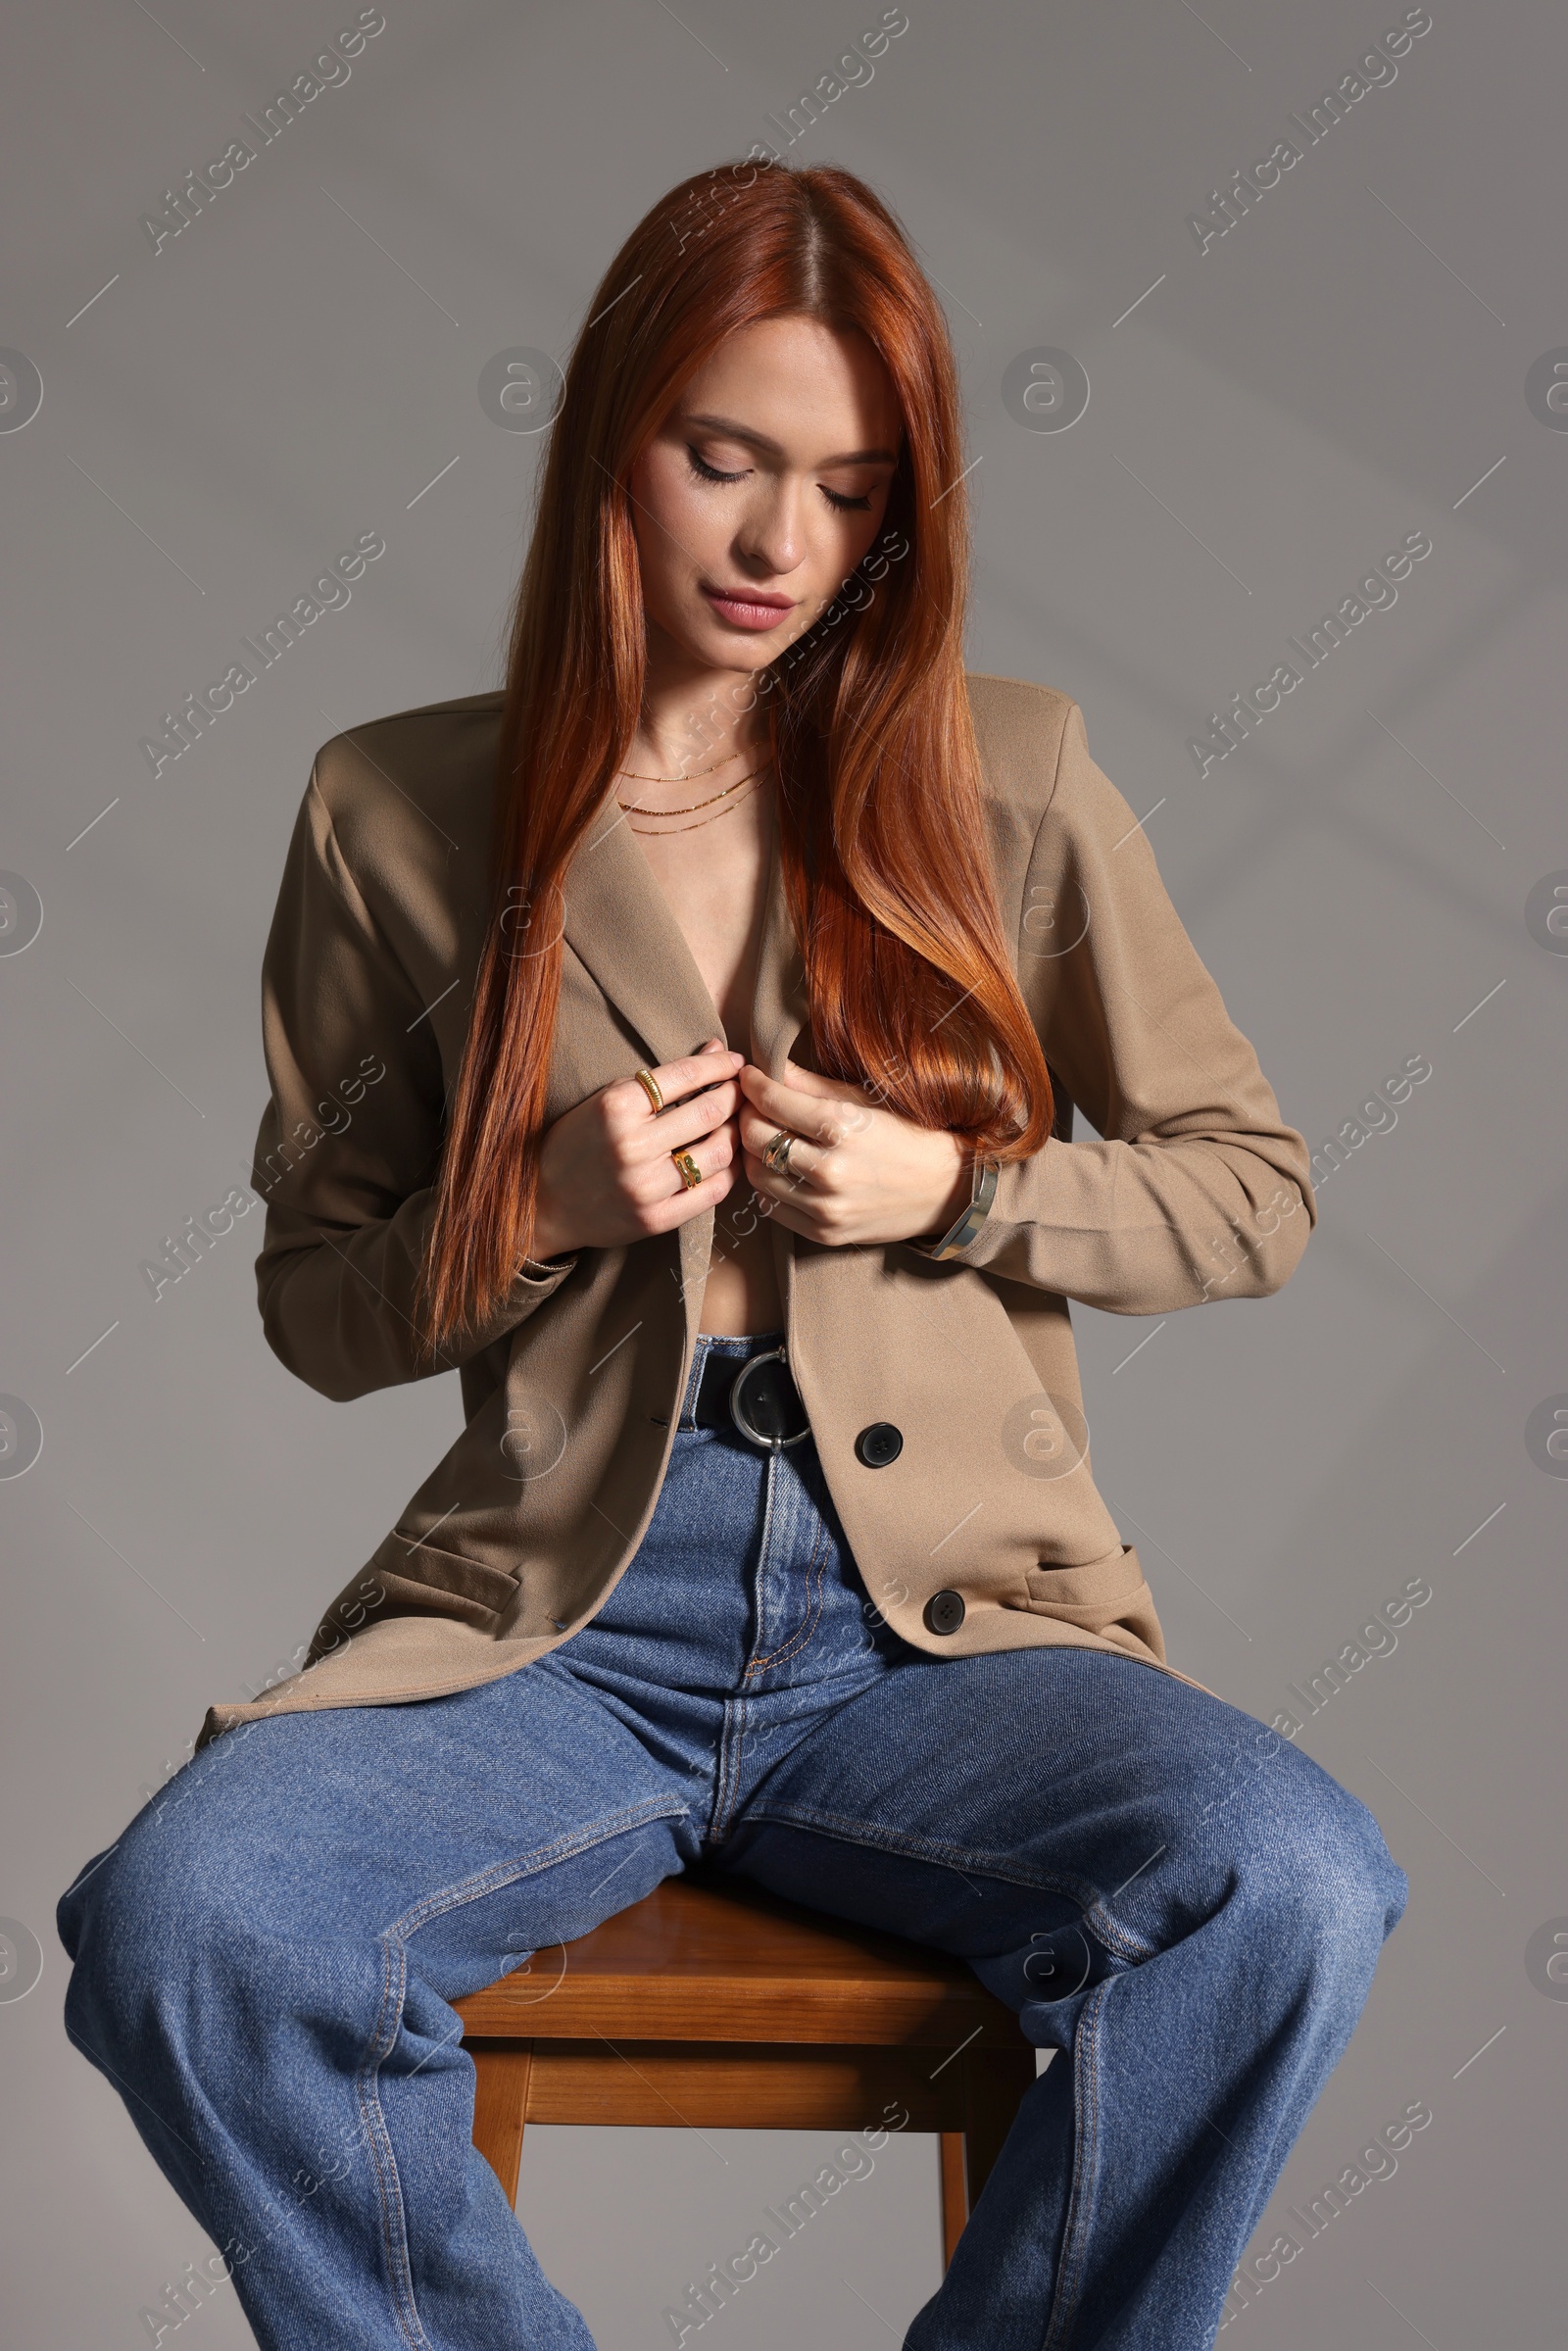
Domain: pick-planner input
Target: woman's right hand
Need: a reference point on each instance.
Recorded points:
(606, 1174)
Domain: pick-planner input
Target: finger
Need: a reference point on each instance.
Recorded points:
(694, 1070)
(787, 1187)
(816, 1119)
(682, 1206)
(812, 1081)
(628, 1109)
(678, 1199)
(757, 1133)
(855, 1097)
(782, 1209)
(686, 1122)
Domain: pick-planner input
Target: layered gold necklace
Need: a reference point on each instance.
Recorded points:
(630, 807)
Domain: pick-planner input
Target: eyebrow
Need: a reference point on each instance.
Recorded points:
(760, 440)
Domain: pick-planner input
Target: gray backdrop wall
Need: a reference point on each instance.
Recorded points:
(1282, 387)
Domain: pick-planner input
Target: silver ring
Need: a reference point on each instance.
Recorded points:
(777, 1150)
(773, 1445)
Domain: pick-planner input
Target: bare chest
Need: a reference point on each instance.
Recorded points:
(714, 877)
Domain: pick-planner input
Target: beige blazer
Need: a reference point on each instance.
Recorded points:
(1194, 1191)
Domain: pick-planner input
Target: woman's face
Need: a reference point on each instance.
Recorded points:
(762, 489)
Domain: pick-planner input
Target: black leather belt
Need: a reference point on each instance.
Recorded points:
(759, 1397)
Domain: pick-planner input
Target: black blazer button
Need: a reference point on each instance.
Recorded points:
(879, 1445)
(944, 1611)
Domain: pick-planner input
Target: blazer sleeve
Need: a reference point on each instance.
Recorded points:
(1197, 1190)
(350, 1141)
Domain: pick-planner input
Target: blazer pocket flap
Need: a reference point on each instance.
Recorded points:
(1093, 1595)
(404, 1560)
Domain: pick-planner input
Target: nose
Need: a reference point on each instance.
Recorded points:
(771, 539)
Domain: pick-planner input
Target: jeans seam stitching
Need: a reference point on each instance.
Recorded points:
(1085, 2159)
(388, 2187)
(1124, 1942)
(764, 1551)
(445, 1898)
(727, 1793)
(916, 1848)
(384, 2036)
(801, 1638)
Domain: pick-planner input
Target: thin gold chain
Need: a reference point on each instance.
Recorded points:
(652, 830)
(696, 777)
(632, 809)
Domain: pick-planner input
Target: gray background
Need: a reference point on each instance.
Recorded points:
(1278, 412)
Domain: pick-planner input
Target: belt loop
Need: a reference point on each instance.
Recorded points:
(687, 1417)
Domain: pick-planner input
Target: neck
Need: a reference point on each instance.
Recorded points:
(694, 716)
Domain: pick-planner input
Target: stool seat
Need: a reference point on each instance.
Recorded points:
(714, 2003)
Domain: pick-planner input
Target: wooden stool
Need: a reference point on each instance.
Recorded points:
(713, 2003)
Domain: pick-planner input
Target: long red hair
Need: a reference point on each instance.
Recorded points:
(881, 832)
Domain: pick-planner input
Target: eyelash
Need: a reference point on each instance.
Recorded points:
(835, 498)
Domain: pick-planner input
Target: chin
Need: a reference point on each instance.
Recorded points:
(732, 648)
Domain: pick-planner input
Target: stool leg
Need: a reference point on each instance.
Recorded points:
(994, 2082)
(501, 2105)
(954, 2193)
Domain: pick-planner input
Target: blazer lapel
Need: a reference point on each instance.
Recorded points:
(620, 925)
(779, 1006)
(779, 1012)
(621, 928)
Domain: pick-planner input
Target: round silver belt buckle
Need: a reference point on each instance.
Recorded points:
(773, 1445)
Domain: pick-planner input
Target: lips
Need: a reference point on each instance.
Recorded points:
(748, 607)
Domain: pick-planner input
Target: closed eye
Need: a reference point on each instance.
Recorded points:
(707, 472)
(704, 471)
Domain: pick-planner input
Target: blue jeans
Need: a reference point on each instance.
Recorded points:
(1189, 1909)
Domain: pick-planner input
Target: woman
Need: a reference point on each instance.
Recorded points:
(771, 1540)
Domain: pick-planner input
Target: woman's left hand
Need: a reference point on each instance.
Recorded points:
(857, 1174)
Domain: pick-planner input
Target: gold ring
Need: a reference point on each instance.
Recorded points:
(777, 1150)
(649, 1086)
(691, 1175)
